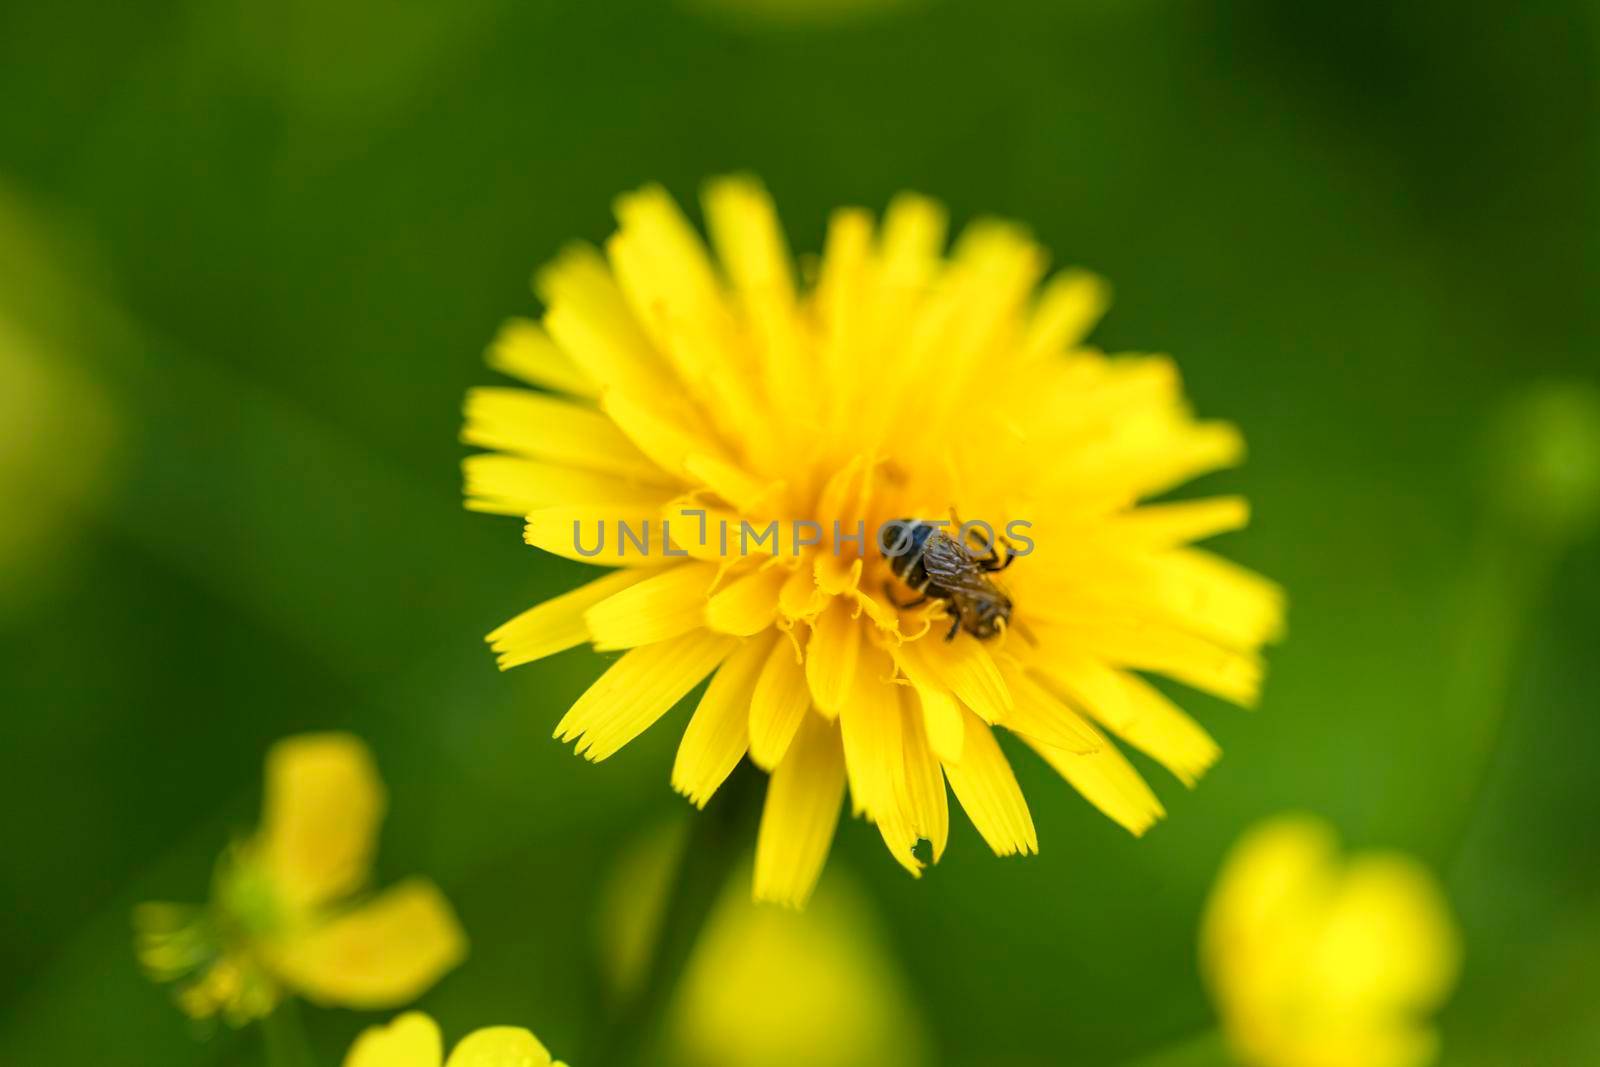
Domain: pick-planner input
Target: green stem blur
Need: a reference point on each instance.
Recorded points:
(1511, 576)
(1204, 1048)
(718, 839)
(285, 1034)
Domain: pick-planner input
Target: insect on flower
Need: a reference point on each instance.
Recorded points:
(939, 567)
(668, 381)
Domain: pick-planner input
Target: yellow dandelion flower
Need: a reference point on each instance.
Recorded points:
(738, 444)
(413, 1040)
(288, 910)
(1318, 962)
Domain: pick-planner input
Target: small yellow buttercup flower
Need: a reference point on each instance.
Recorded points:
(288, 911)
(742, 445)
(413, 1040)
(1315, 961)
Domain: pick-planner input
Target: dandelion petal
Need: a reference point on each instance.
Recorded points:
(800, 814)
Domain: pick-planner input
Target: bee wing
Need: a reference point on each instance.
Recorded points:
(973, 586)
(948, 564)
(952, 569)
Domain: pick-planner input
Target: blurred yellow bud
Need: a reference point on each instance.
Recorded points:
(785, 988)
(413, 1040)
(764, 985)
(1317, 961)
(56, 431)
(633, 903)
(1545, 459)
(285, 915)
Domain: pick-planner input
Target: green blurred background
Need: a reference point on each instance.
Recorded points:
(250, 255)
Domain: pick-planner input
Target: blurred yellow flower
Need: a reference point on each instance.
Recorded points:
(767, 986)
(413, 1040)
(778, 988)
(1318, 962)
(288, 913)
(781, 427)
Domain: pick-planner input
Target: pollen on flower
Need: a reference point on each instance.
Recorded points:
(778, 424)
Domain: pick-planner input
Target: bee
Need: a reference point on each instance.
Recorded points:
(939, 567)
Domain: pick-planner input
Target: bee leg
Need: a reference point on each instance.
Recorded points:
(992, 562)
(888, 592)
(955, 624)
(962, 533)
(975, 533)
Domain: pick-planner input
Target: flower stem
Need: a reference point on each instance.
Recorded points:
(718, 838)
(1498, 608)
(285, 1034)
(1204, 1048)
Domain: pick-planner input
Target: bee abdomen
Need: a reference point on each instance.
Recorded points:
(903, 541)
